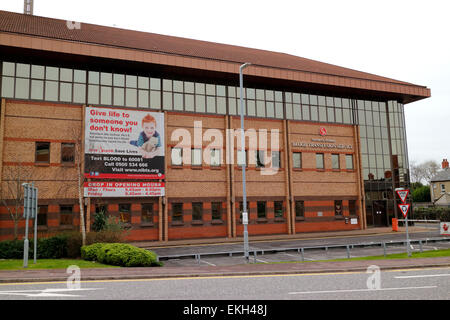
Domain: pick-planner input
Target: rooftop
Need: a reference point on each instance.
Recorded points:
(443, 175)
(295, 68)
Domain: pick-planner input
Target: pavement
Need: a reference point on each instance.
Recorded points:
(243, 269)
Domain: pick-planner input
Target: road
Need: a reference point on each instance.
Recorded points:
(309, 254)
(413, 284)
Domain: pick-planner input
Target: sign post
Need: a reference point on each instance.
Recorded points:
(404, 208)
(29, 212)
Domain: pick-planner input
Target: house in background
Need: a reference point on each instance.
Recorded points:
(440, 186)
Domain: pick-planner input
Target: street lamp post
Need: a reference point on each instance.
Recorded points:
(243, 164)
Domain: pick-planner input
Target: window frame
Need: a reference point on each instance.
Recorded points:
(347, 157)
(123, 211)
(258, 213)
(333, 158)
(36, 152)
(73, 152)
(64, 214)
(277, 214)
(338, 212)
(177, 217)
(299, 204)
(180, 164)
(197, 206)
(293, 160)
(200, 154)
(145, 205)
(322, 155)
(219, 211)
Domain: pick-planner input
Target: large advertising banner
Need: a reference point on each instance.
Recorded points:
(124, 144)
(123, 189)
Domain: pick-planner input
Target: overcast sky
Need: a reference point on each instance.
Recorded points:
(403, 40)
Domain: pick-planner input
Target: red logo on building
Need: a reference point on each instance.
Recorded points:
(323, 131)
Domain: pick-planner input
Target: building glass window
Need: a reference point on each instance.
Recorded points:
(42, 154)
(197, 211)
(177, 156)
(242, 157)
(349, 161)
(261, 209)
(216, 211)
(299, 209)
(177, 212)
(352, 207)
(215, 158)
(125, 212)
(147, 213)
(297, 160)
(196, 157)
(260, 159)
(319, 161)
(7, 87)
(335, 161)
(66, 215)
(37, 89)
(338, 210)
(42, 215)
(278, 209)
(276, 159)
(67, 153)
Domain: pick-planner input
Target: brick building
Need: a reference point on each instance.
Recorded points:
(341, 133)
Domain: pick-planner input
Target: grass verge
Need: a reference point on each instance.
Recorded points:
(17, 264)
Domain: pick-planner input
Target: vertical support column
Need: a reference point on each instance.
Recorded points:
(2, 134)
(165, 236)
(228, 184)
(160, 220)
(88, 214)
(233, 198)
(82, 164)
(360, 182)
(288, 177)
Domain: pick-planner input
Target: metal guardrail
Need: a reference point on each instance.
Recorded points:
(301, 250)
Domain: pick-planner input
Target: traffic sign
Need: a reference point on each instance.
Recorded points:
(404, 208)
(445, 228)
(403, 194)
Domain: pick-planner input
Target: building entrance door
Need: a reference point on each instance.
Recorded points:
(379, 213)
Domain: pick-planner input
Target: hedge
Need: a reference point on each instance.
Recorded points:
(432, 213)
(120, 254)
(49, 248)
(64, 245)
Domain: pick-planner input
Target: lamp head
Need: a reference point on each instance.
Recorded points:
(245, 65)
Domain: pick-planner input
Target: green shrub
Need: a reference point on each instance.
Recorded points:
(120, 254)
(90, 252)
(432, 213)
(99, 221)
(51, 248)
(11, 249)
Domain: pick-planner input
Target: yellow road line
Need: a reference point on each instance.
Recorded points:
(223, 277)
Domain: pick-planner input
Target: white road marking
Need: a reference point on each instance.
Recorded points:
(45, 292)
(261, 261)
(424, 276)
(361, 290)
(211, 264)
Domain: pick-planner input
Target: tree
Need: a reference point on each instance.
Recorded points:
(11, 192)
(75, 185)
(424, 171)
(421, 194)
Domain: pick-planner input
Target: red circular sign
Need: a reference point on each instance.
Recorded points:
(323, 131)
